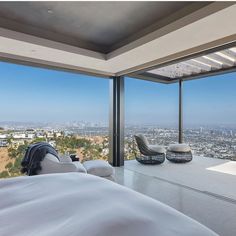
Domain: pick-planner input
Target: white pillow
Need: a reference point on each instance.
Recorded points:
(65, 158)
(99, 168)
(79, 166)
(50, 164)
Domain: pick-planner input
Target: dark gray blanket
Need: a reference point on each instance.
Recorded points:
(35, 153)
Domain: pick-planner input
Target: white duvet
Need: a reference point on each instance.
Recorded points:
(76, 204)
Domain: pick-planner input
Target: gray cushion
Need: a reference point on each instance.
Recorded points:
(99, 168)
(143, 138)
(50, 164)
(65, 158)
(157, 148)
(111, 177)
(79, 166)
(179, 147)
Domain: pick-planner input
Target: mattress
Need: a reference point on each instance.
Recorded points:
(75, 204)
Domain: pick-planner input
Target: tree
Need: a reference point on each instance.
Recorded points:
(36, 140)
(9, 141)
(14, 168)
(9, 165)
(4, 174)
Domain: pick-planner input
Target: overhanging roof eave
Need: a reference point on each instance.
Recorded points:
(207, 74)
(151, 77)
(215, 61)
(165, 80)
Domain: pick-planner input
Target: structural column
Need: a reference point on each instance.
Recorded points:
(180, 111)
(116, 121)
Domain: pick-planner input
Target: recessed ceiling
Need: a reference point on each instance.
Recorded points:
(112, 38)
(98, 26)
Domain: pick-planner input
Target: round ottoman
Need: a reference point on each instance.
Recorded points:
(179, 153)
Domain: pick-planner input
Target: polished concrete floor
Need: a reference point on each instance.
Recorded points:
(211, 175)
(215, 211)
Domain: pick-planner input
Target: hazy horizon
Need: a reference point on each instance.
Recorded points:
(127, 124)
(31, 94)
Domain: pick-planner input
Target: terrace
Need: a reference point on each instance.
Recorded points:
(203, 189)
(182, 41)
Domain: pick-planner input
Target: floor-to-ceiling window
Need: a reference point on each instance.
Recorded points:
(151, 109)
(68, 110)
(210, 116)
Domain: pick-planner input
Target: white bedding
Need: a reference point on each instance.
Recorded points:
(76, 204)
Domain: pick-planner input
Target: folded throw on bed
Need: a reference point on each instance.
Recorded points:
(35, 153)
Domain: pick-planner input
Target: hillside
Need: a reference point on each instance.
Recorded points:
(4, 158)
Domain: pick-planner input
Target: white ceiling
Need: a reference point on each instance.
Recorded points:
(210, 26)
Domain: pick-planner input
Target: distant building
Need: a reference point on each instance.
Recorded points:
(3, 143)
(30, 136)
(50, 134)
(58, 134)
(18, 142)
(40, 135)
(19, 136)
(52, 143)
(3, 136)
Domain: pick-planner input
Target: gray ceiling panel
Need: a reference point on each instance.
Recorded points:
(94, 25)
(219, 61)
(210, 62)
(223, 60)
(230, 53)
(203, 67)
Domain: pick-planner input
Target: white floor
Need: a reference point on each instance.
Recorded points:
(204, 189)
(210, 175)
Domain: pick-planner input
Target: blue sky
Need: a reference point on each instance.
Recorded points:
(41, 95)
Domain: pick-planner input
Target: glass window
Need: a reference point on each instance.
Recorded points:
(68, 110)
(209, 116)
(151, 109)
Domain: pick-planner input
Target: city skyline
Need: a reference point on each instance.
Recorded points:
(42, 95)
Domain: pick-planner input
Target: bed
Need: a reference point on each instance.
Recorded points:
(76, 204)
